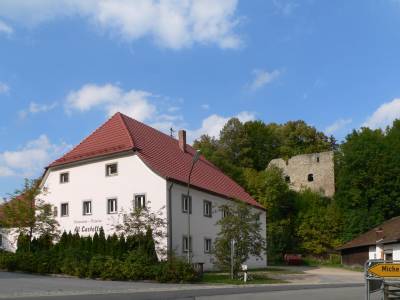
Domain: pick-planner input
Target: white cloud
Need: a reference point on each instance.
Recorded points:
(263, 77)
(4, 88)
(213, 124)
(172, 24)
(4, 28)
(112, 99)
(35, 108)
(384, 115)
(30, 160)
(337, 125)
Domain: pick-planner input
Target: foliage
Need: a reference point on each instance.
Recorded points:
(319, 224)
(28, 214)
(135, 258)
(141, 221)
(367, 178)
(242, 226)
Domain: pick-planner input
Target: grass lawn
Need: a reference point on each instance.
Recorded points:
(260, 276)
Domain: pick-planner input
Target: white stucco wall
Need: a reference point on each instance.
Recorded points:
(378, 252)
(9, 239)
(89, 182)
(201, 227)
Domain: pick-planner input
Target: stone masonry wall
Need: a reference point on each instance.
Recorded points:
(315, 171)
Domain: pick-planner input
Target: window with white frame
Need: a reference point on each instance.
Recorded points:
(186, 244)
(207, 208)
(112, 205)
(140, 201)
(225, 212)
(55, 211)
(1, 241)
(112, 169)
(207, 245)
(64, 209)
(186, 204)
(87, 208)
(64, 177)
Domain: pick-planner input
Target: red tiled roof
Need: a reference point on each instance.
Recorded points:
(390, 230)
(159, 152)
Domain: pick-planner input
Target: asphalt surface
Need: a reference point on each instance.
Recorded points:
(26, 286)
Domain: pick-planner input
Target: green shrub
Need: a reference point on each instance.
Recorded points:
(8, 261)
(175, 271)
(112, 269)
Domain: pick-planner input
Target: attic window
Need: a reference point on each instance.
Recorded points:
(112, 169)
(310, 177)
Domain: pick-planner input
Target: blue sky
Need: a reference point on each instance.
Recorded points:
(66, 66)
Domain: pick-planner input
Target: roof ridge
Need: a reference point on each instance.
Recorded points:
(122, 118)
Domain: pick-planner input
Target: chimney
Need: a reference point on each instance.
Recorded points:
(379, 234)
(182, 140)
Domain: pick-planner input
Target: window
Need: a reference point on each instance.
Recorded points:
(186, 245)
(1, 240)
(112, 206)
(207, 245)
(87, 208)
(207, 207)
(186, 204)
(64, 209)
(317, 159)
(55, 211)
(112, 169)
(310, 177)
(225, 212)
(140, 201)
(287, 179)
(389, 256)
(64, 177)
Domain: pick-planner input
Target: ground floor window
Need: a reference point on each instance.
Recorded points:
(207, 245)
(112, 206)
(140, 201)
(186, 244)
(87, 208)
(64, 209)
(1, 240)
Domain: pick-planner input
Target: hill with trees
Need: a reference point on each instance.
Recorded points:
(367, 175)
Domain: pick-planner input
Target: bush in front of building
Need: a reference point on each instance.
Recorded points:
(112, 258)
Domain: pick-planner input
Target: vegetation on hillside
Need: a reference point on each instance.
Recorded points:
(367, 171)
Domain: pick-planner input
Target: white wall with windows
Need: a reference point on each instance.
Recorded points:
(387, 251)
(202, 224)
(96, 194)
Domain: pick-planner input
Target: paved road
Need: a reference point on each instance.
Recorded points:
(25, 286)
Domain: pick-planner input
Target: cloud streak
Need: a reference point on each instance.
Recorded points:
(171, 24)
(384, 115)
(30, 160)
(262, 78)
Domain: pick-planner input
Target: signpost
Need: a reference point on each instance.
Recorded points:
(385, 270)
(382, 276)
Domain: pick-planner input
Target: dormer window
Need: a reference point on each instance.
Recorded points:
(64, 177)
(112, 169)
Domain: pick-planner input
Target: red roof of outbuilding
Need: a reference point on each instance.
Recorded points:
(159, 152)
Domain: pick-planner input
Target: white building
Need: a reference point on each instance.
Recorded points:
(126, 163)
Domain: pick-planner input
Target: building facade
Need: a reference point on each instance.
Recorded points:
(125, 164)
(314, 171)
(381, 242)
